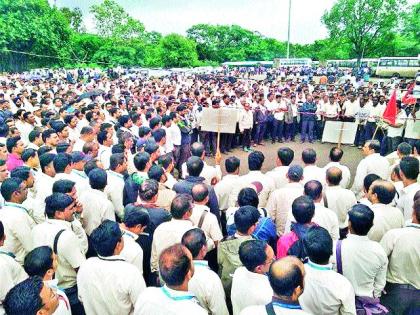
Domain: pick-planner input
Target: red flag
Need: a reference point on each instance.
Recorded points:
(390, 113)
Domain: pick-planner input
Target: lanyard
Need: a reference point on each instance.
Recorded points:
(15, 205)
(199, 263)
(289, 306)
(176, 298)
(8, 254)
(318, 267)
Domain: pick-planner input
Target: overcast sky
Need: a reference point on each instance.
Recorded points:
(269, 17)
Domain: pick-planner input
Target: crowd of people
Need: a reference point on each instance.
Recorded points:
(108, 204)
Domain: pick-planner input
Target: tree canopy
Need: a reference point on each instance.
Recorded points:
(368, 28)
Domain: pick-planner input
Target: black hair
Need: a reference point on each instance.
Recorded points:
(232, 163)
(194, 240)
(165, 160)
(38, 261)
(374, 145)
(61, 161)
(285, 155)
(368, 180)
(174, 264)
(24, 298)
(1, 230)
(117, 148)
(197, 149)
(159, 134)
(404, 148)
(285, 283)
(309, 156)
(143, 131)
(318, 245)
(248, 197)
(336, 154)
(199, 192)
(155, 172)
(33, 135)
(44, 149)
(148, 189)
(47, 133)
(151, 146)
(245, 217)
(90, 165)
(45, 159)
(102, 136)
(180, 205)
(194, 166)
(154, 122)
(384, 190)
(22, 172)
(361, 218)
(106, 237)
(409, 166)
(10, 186)
(115, 160)
(303, 209)
(255, 160)
(63, 186)
(252, 254)
(57, 202)
(27, 154)
(134, 215)
(313, 189)
(11, 143)
(334, 177)
(140, 160)
(98, 178)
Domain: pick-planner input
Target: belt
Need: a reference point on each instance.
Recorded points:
(401, 286)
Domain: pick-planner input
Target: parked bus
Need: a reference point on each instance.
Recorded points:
(352, 63)
(248, 64)
(292, 62)
(398, 67)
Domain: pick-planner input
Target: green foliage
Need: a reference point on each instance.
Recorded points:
(74, 18)
(177, 51)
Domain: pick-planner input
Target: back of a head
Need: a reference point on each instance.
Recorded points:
(194, 240)
(45, 159)
(106, 237)
(374, 145)
(361, 219)
(252, 254)
(295, 173)
(115, 160)
(336, 154)
(384, 190)
(57, 202)
(409, 166)
(248, 197)
(151, 146)
(313, 189)
(285, 275)
(334, 176)
(9, 187)
(159, 134)
(24, 298)
(181, 204)
(255, 160)
(368, 180)
(309, 156)
(61, 161)
(318, 244)
(155, 172)
(140, 160)
(197, 149)
(195, 166)
(22, 172)
(232, 163)
(174, 264)
(28, 153)
(303, 209)
(90, 166)
(416, 209)
(38, 261)
(148, 189)
(64, 186)
(285, 155)
(245, 217)
(135, 215)
(98, 178)
(404, 149)
(1, 230)
(199, 192)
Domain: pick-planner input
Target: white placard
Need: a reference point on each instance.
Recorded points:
(219, 120)
(332, 132)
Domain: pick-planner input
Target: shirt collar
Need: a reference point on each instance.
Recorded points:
(111, 258)
(116, 174)
(79, 173)
(177, 295)
(63, 223)
(357, 237)
(201, 263)
(413, 225)
(134, 236)
(319, 267)
(15, 205)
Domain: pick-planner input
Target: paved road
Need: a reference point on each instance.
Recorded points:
(351, 158)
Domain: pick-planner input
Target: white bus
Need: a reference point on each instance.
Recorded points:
(292, 62)
(352, 63)
(398, 67)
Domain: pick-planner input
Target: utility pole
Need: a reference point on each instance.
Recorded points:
(288, 31)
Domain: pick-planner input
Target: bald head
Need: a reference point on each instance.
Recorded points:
(382, 191)
(334, 176)
(197, 149)
(199, 192)
(175, 263)
(286, 275)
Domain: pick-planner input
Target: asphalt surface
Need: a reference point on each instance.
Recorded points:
(351, 157)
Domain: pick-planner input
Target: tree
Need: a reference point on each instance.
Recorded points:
(74, 18)
(177, 51)
(366, 24)
(111, 20)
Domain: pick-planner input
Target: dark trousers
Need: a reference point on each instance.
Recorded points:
(259, 132)
(291, 129)
(75, 305)
(319, 129)
(278, 129)
(307, 130)
(370, 130)
(194, 135)
(246, 138)
(401, 299)
(390, 144)
(360, 136)
(184, 154)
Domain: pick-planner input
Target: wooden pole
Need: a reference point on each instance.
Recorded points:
(219, 120)
(376, 130)
(340, 136)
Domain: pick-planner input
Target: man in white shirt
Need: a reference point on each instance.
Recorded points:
(351, 107)
(311, 171)
(335, 157)
(403, 249)
(373, 163)
(255, 163)
(224, 188)
(77, 174)
(211, 174)
(205, 284)
(87, 134)
(362, 261)
(115, 182)
(176, 270)
(326, 291)
(108, 284)
(281, 200)
(338, 199)
(44, 180)
(381, 194)
(170, 233)
(250, 284)
(16, 219)
(105, 147)
(97, 207)
(285, 156)
(395, 131)
(409, 172)
(286, 277)
(69, 242)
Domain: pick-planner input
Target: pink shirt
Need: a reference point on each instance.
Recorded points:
(284, 243)
(13, 161)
